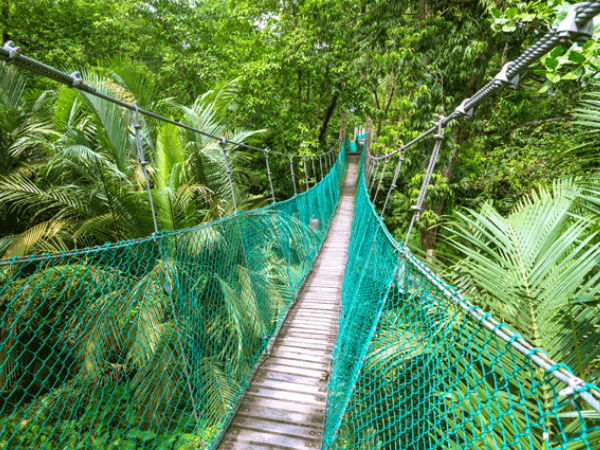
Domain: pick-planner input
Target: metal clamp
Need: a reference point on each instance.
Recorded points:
(13, 51)
(460, 110)
(575, 384)
(569, 31)
(440, 134)
(401, 152)
(502, 77)
(75, 79)
(136, 122)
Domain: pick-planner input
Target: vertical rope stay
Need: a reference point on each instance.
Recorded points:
(223, 144)
(269, 173)
(395, 179)
(305, 173)
(439, 137)
(374, 176)
(292, 172)
(314, 171)
(321, 166)
(144, 163)
(387, 161)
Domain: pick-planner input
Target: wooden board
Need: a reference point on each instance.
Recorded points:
(284, 406)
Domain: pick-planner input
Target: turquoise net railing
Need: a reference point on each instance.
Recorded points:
(416, 366)
(149, 343)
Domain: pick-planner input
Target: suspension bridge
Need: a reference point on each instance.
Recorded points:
(303, 324)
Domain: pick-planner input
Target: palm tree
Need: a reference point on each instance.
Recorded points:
(25, 139)
(92, 189)
(537, 271)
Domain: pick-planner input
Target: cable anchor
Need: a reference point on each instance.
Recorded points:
(569, 31)
(13, 51)
(440, 134)
(76, 80)
(502, 77)
(460, 110)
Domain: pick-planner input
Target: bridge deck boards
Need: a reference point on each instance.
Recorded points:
(284, 406)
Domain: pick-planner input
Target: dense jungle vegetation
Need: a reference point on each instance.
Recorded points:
(513, 213)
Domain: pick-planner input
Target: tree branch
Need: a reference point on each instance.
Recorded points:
(540, 122)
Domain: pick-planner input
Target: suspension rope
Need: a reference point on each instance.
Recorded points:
(12, 55)
(439, 137)
(223, 144)
(374, 176)
(396, 173)
(387, 161)
(269, 173)
(143, 163)
(305, 173)
(292, 172)
(321, 166)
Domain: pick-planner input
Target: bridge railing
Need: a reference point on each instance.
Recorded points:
(150, 343)
(418, 366)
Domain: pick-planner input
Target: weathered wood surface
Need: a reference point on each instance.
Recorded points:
(284, 406)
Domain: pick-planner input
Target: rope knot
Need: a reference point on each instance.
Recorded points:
(575, 385)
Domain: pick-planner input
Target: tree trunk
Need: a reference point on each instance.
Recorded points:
(299, 94)
(422, 11)
(387, 107)
(428, 234)
(5, 16)
(328, 113)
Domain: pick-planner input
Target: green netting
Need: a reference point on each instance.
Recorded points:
(418, 367)
(148, 344)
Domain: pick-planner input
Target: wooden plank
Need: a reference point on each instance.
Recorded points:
(282, 405)
(314, 343)
(296, 363)
(302, 349)
(312, 389)
(290, 378)
(288, 353)
(311, 332)
(293, 370)
(288, 396)
(255, 408)
(325, 316)
(276, 427)
(239, 436)
(331, 326)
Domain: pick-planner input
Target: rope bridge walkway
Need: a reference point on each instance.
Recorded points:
(285, 403)
(218, 335)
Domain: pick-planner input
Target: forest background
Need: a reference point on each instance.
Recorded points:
(277, 74)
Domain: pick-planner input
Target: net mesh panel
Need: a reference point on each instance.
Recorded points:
(148, 344)
(413, 370)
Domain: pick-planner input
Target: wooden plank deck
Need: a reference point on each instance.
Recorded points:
(284, 406)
